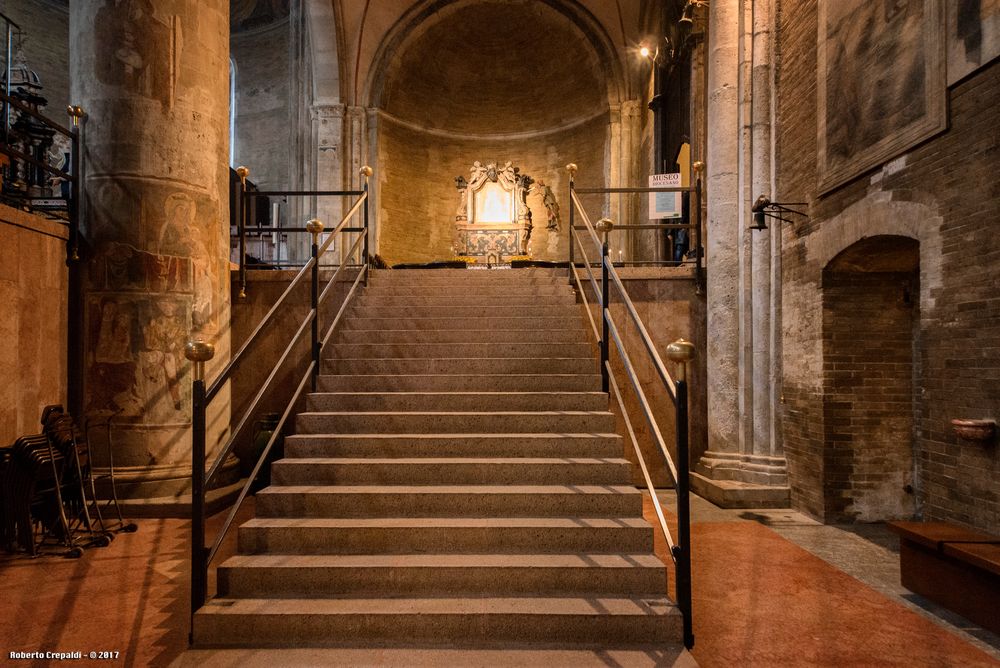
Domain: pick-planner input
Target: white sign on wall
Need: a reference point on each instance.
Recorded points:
(664, 205)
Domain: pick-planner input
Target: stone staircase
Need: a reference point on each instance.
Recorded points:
(455, 482)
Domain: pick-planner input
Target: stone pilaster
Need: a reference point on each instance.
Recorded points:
(153, 78)
(743, 466)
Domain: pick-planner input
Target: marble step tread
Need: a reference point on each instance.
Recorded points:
(511, 655)
(451, 321)
(453, 445)
(459, 382)
(414, 401)
(334, 422)
(453, 620)
(533, 335)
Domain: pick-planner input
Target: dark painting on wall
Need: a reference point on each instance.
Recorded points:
(973, 36)
(880, 82)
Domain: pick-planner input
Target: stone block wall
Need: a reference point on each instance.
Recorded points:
(46, 46)
(263, 108)
(34, 291)
(944, 194)
(418, 198)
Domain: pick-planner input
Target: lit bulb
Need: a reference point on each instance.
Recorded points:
(644, 51)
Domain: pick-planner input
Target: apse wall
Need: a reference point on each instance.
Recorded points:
(489, 81)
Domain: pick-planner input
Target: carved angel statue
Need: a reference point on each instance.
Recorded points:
(477, 174)
(507, 176)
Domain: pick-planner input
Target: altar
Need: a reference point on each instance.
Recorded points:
(493, 222)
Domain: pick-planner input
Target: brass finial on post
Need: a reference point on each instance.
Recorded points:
(366, 172)
(243, 172)
(698, 166)
(571, 168)
(681, 352)
(199, 351)
(315, 227)
(75, 112)
(604, 226)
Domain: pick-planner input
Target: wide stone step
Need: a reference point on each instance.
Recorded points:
(456, 401)
(451, 321)
(444, 382)
(469, 277)
(460, 365)
(448, 501)
(453, 445)
(487, 349)
(464, 299)
(497, 422)
(411, 336)
(448, 290)
(589, 621)
(315, 576)
(569, 312)
(403, 655)
(464, 535)
(450, 471)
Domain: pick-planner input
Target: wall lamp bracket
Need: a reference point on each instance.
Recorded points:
(765, 208)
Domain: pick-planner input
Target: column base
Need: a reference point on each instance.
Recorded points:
(742, 481)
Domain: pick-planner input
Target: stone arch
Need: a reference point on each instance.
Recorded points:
(870, 334)
(422, 14)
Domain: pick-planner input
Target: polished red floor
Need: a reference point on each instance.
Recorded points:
(760, 600)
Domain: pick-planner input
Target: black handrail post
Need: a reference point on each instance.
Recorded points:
(682, 352)
(243, 173)
(366, 172)
(699, 167)
(605, 226)
(75, 353)
(315, 228)
(198, 352)
(571, 168)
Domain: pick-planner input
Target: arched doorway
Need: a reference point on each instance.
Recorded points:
(870, 333)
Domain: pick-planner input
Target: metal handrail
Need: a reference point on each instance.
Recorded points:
(199, 352)
(676, 388)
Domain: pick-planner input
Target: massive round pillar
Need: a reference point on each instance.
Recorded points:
(153, 78)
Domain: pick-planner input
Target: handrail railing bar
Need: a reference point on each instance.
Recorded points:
(6, 148)
(20, 106)
(244, 420)
(590, 275)
(643, 402)
(343, 221)
(642, 465)
(217, 543)
(661, 369)
(586, 304)
(296, 230)
(235, 360)
(586, 220)
(603, 191)
(343, 307)
(304, 193)
(653, 226)
(330, 282)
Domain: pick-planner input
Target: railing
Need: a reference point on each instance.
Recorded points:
(199, 352)
(680, 352)
(246, 214)
(691, 214)
(21, 163)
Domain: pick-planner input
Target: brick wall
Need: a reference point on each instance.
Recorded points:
(946, 196)
(868, 340)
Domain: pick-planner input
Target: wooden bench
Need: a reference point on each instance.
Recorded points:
(953, 566)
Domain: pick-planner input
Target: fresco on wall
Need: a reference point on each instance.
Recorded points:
(881, 82)
(973, 36)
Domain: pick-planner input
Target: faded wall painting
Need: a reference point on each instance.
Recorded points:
(973, 36)
(880, 82)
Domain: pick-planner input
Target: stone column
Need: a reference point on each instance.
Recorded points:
(742, 466)
(154, 79)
